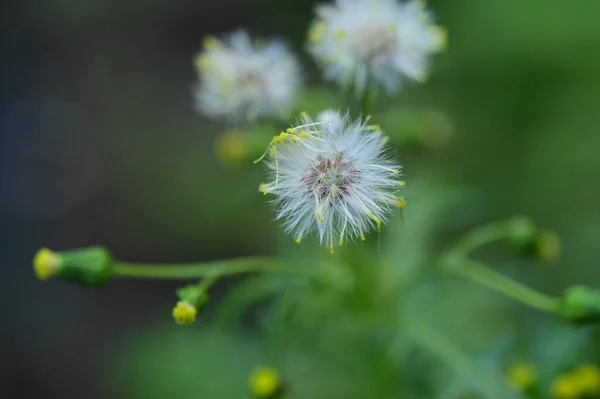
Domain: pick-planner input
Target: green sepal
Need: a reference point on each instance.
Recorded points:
(88, 266)
(194, 295)
(522, 234)
(580, 305)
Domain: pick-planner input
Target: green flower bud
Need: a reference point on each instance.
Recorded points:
(89, 266)
(580, 305)
(522, 233)
(192, 298)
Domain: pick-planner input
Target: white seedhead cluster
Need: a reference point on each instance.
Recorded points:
(332, 176)
(241, 79)
(359, 42)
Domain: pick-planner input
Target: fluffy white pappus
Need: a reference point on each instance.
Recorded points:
(332, 176)
(241, 79)
(357, 42)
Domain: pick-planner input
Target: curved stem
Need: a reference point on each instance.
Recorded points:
(479, 237)
(482, 274)
(196, 270)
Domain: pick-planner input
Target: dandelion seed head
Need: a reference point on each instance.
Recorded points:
(245, 80)
(333, 177)
(385, 41)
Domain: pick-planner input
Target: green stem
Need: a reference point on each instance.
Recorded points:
(442, 347)
(479, 237)
(216, 269)
(482, 274)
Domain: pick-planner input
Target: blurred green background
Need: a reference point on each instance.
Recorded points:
(100, 144)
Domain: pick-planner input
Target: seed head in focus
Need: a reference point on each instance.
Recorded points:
(245, 80)
(332, 176)
(381, 41)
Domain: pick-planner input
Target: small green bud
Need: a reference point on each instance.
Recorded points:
(580, 305)
(89, 266)
(192, 298)
(522, 233)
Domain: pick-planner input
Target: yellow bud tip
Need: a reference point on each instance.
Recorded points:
(45, 263)
(565, 387)
(184, 313)
(201, 61)
(423, 78)
(402, 183)
(587, 379)
(363, 238)
(210, 43)
(298, 240)
(395, 171)
(548, 246)
(522, 375)
(441, 37)
(367, 118)
(400, 202)
(231, 148)
(264, 382)
(331, 250)
(316, 32)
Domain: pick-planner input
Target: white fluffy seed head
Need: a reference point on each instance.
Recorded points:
(332, 176)
(241, 79)
(384, 41)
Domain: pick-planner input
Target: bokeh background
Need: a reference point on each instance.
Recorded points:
(100, 144)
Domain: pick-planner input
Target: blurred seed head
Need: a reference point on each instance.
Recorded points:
(245, 80)
(357, 42)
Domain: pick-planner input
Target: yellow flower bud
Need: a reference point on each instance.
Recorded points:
(522, 375)
(46, 263)
(565, 387)
(587, 378)
(264, 382)
(548, 246)
(184, 313)
(231, 148)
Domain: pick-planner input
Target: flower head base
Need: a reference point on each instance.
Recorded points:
(264, 382)
(184, 313)
(332, 176)
(89, 266)
(384, 41)
(240, 79)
